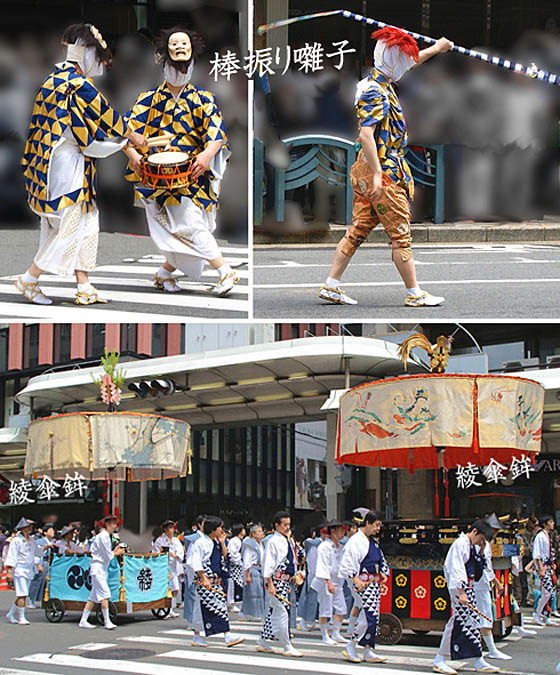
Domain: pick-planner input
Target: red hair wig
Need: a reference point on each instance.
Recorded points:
(395, 37)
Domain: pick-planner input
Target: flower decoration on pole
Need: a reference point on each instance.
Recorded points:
(110, 383)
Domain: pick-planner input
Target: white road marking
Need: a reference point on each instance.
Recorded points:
(435, 282)
(13, 671)
(166, 299)
(70, 314)
(299, 642)
(127, 269)
(93, 646)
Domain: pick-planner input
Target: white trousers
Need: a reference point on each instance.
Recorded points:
(69, 240)
(99, 587)
(279, 621)
(330, 601)
(21, 585)
(484, 604)
(183, 234)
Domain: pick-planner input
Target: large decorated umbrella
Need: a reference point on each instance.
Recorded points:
(440, 421)
(110, 446)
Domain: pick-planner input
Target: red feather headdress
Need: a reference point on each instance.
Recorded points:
(394, 37)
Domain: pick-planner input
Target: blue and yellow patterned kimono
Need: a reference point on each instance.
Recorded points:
(66, 100)
(377, 104)
(195, 120)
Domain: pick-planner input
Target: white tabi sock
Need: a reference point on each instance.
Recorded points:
(224, 270)
(163, 273)
(489, 640)
(85, 288)
(324, 630)
(416, 291)
(352, 624)
(106, 617)
(337, 626)
(332, 282)
(85, 615)
(29, 278)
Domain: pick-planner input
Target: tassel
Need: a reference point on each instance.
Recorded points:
(446, 503)
(436, 493)
(105, 501)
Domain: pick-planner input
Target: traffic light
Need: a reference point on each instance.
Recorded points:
(158, 387)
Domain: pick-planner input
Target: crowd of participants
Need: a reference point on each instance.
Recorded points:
(268, 576)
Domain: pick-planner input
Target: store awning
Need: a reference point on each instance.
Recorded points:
(281, 381)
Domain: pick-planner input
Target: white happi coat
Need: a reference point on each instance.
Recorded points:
(21, 556)
(176, 568)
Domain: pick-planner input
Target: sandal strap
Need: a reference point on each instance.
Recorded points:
(30, 289)
(159, 282)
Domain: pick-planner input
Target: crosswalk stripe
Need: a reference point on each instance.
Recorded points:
(425, 282)
(166, 299)
(298, 639)
(306, 645)
(285, 663)
(93, 646)
(14, 671)
(112, 665)
(130, 269)
(138, 282)
(74, 313)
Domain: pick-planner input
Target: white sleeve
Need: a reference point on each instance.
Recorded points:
(11, 558)
(234, 551)
(106, 550)
(454, 566)
(249, 557)
(489, 573)
(271, 556)
(156, 545)
(101, 149)
(195, 556)
(323, 568)
(350, 562)
(540, 549)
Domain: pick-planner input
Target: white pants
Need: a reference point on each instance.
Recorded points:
(21, 585)
(174, 583)
(330, 601)
(69, 240)
(183, 234)
(355, 597)
(484, 604)
(279, 622)
(99, 587)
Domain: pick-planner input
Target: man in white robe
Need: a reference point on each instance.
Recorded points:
(19, 565)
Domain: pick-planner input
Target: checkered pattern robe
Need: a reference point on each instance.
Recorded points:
(195, 121)
(66, 100)
(377, 104)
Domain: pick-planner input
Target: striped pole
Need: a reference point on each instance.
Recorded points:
(530, 71)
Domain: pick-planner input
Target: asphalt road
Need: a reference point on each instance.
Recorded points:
(478, 281)
(126, 264)
(150, 646)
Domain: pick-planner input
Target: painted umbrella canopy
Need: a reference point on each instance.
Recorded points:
(112, 445)
(440, 420)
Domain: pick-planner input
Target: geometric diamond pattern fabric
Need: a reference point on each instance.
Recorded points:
(66, 100)
(465, 637)
(194, 120)
(377, 104)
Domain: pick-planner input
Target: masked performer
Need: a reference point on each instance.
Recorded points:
(208, 568)
(182, 219)
(70, 124)
(252, 555)
(543, 559)
(381, 179)
(168, 542)
(102, 553)
(235, 562)
(328, 583)
(462, 568)
(19, 566)
(279, 568)
(364, 565)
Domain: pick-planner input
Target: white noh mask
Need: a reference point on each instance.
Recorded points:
(179, 46)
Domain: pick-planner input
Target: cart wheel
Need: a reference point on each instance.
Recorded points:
(112, 613)
(161, 612)
(389, 630)
(503, 635)
(54, 610)
(420, 632)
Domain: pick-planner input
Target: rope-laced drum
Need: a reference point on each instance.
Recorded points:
(167, 169)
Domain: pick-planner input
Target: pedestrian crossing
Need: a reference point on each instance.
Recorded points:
(128, 284)
(169, 652)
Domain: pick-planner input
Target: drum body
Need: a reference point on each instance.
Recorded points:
(169, 169)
